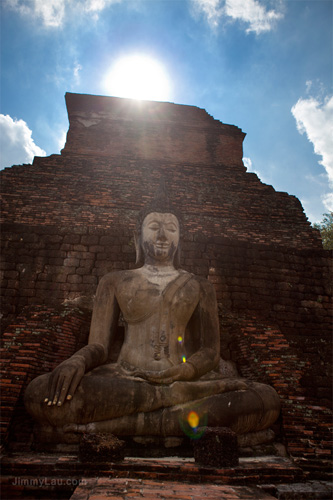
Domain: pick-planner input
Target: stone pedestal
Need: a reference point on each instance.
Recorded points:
(217, 447)
(101, 448)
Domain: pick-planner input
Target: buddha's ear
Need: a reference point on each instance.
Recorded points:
(176, 259)
(138, 248)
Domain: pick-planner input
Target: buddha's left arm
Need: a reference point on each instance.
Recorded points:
(205, 322)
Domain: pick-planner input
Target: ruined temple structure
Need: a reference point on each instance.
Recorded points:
(68, 219)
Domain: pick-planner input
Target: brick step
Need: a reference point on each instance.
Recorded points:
(128, 489)
(134, 489)
(320, 469)
(310, 490)
(259, 470)
(33, 488)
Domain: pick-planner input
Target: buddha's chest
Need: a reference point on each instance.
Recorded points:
(141, 299)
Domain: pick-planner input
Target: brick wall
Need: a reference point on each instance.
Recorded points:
(216, 200)
(263, 353)
(113, 127)
(68, 219)
(38, 340)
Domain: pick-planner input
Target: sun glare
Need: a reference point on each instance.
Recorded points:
(138, 77)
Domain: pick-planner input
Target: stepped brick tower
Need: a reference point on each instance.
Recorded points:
(68, 219)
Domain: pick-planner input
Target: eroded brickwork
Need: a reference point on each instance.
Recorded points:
(263, 353)
(39, 340)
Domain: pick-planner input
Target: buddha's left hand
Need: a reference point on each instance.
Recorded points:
(184, 371)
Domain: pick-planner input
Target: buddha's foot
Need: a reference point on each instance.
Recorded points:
(79, 428)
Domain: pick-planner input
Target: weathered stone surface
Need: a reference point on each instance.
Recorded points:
(217, 447)
(254, 438)
(101, 448)
(320, 490)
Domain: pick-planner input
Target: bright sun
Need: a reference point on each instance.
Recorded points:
(138, 77)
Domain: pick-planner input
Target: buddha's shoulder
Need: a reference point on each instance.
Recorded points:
(114, 278)
(204, 284)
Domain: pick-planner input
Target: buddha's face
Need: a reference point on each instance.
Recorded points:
(160, 237)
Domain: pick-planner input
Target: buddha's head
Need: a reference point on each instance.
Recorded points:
(157, 237)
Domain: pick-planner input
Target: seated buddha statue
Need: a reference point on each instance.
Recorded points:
(167, 369)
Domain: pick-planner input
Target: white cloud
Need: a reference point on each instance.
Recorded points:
(66, 75)
(76, 72)
(211, 9)
(315, 119)
(316, 87)
(253, 13)
(97, 5)
(327, 200)
(250, 12)
(250, 167)
(62, 139)
(50, 12)
(53, 13)
(16, 143)
(248, 163)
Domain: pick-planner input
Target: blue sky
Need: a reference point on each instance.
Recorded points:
(264, 66)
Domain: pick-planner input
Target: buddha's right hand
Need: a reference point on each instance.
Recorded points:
(64, 380)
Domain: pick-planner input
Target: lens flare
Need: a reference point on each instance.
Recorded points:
(180, 339)
(194, 423)
(193, 419)
(184, 359)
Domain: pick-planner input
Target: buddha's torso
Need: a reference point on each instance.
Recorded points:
(156, 307)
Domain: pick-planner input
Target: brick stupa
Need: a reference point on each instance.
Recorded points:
(68, 219)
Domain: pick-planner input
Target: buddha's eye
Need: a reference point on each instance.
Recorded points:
(154, 227)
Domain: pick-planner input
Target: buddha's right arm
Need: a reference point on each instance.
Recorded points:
(65, 379)
(105, 316)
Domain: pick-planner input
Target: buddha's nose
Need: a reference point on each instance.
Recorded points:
(161, 234)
